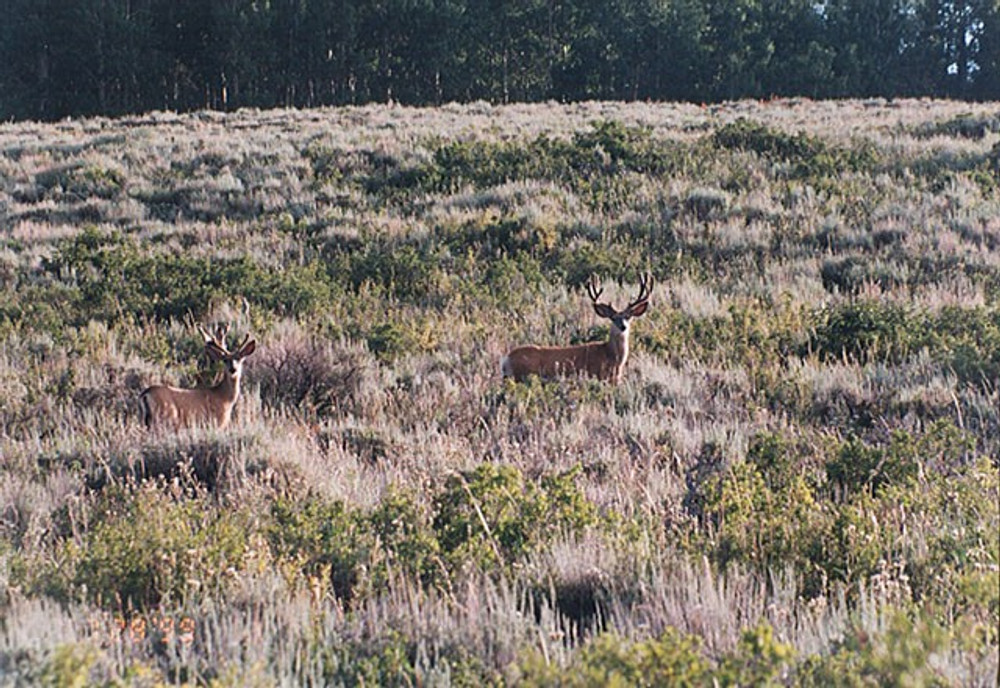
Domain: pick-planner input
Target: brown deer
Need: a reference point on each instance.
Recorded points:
(165, 406)
(604, 360)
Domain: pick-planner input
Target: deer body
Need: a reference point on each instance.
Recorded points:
(603, 360)
(164, 405)
(176, 406)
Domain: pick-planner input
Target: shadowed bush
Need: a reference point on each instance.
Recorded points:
(141, 547)
(312, 377)
(109, 276)
(810, 157)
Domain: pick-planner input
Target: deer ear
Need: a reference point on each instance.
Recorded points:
(638, 309)
(604, 310)
(247, 349)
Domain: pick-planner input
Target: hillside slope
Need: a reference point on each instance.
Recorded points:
(795, 482)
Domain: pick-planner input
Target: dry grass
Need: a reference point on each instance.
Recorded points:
(385, 379)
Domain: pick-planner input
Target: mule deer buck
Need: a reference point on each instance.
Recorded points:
(604, 360)
(175, 407)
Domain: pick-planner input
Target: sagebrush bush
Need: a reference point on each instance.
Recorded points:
(142, 547)
(807, 431)
(312, 377)
(492, 516)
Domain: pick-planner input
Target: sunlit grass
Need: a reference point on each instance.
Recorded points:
(804, 317)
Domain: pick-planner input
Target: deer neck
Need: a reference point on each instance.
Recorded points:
(618, 347)
(228, 389)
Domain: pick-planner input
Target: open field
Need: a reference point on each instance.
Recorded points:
(795, 483)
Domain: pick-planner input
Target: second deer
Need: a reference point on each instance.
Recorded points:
(603, 360)
(163, 405)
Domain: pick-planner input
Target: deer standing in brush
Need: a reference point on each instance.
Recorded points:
(603, 360)
(175, 407)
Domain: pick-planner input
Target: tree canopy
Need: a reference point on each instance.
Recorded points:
(83, 57)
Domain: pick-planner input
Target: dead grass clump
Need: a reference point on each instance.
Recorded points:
(220, 462)
(966, 126)
(313, 377)
(706, 203)
(118, 396)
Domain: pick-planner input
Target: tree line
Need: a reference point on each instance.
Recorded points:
(83, 57)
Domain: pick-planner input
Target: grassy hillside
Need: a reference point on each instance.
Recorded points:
(795, 483)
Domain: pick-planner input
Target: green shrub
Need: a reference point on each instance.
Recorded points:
(773, 455)
(865, 330)
(752, 333)
(70, 666)
(810, 157)
(388, 340)
(492, 516)
(927, 502)
(326, 541)
(404, 271)
(744, 134)
(536, 398)
(967, 340)
(143, 547)
(402, 528)
(80, 181)
(758, 660)
(749, 523)
(112, 278)
(605, 152)
(383, 661)
(898, 657)
(966, 126)
(858, 465)
(671, 659)
(949, 545)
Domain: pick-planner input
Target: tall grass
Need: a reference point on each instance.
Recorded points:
(796, 480)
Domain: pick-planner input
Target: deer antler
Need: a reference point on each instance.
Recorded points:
(218, 339)
(594, 289)
(645, 289)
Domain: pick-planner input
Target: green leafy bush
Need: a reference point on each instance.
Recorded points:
(143, 547)
(899, 657)
(865, 330)
(492, 516)
(858, 465)
(80, 181)
(607, 150)
(965, 126)
(326, 541)
(112, 278)
(750, 523)
(671, 659)
(758, 660)
(967, 340)
(401, 525)
(387, 340)
(810, 156)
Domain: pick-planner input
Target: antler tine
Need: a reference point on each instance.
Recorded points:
(219, 338)
(645, 289)
(593, 289)
(221, 332)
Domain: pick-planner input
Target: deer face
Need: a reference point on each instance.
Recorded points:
(620, 319)
(233, 362)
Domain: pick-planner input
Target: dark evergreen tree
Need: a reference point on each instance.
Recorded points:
(80, 57)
